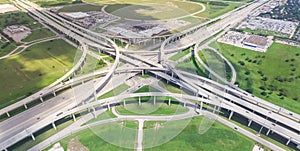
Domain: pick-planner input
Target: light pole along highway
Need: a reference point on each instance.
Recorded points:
(235, 100)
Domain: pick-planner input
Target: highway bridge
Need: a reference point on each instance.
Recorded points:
(202, 90)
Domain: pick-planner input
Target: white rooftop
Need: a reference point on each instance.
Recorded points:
(77, 15)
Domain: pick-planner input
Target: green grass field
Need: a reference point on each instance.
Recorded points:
(213, 10)
(146, 88)
(38, 34)
(180, 54)
(17, 18)
(95, 138)
(4, 2)
(273, 76)
(148, 107)
(149, 9)
(170, 87)
(218, 138)
(92, 64)
(193, 66)
(118, 90)
(81, 8)
(6, 48)
(215, 62)
(53, 3)
(35, 68)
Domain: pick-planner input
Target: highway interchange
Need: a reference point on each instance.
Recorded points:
(84, 90)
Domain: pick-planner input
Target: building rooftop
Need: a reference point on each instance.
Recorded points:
(77, 15)
(257, 40)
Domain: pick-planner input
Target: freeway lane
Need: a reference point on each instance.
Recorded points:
(53, 106)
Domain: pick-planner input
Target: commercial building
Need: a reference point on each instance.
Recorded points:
(243, 40)
(256, 41)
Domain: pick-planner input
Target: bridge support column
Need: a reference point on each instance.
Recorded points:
(169, 103)
(108, 106)
(124, 102)
(33, 138)
(184, 104)
(287, 143)
(268, 132)
(53, 125)
(231, 113)
(201, 105)
(54, 93)
(215, 111)
(74, 118)
(250, 121)
(154, 100)
(95, 96)
(7, 114)
(94, 112)
(172, 74)
(139, 101)
(25, 106)
(261, 129)
(41, 98)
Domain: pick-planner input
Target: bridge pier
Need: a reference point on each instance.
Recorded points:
(95, 96)
(139, 101)
(287, 143)
(124, 102)
(261, 129)
(108, 106)
(231, 113)
(7, 114)
(41, 98)
(33, 138)
(74, 118)
(54, 93)
(142, 72)
(184, 103)
(268, 131)
(169, 102)
(215, 110)
(25, 106)
(201, 105)
(250, 121)
(154, 100)
(53, 125)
